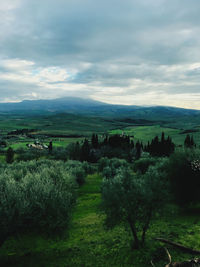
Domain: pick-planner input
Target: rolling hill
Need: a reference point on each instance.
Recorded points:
(95, 108)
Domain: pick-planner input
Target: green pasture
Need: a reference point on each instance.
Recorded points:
(67, 128)
(146, 133)
(57, 142)
(59, 124)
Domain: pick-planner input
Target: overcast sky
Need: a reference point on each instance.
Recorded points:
(138, 52)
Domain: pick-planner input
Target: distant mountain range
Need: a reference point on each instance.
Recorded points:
(91, 107)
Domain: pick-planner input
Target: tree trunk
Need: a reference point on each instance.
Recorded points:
(134, 233)
(146, 227)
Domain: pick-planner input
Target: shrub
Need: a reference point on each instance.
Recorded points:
(30, 154)
(35, 195)
(110, 167)
(58, 153)
(143, 164)
(89, 168)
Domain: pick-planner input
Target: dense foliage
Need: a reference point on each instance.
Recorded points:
(120, 146)
(183, 171)
(110, 167)
(189, 141)
(163, 147)
(38, 195)
(134, 199)
(143, 164)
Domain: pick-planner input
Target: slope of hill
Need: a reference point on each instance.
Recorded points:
(95, 108)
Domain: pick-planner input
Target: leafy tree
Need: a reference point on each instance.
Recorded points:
(134, 200)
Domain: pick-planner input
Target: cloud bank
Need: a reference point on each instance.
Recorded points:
(134, 52)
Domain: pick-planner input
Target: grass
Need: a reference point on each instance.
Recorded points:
(146, 133)
(2, 158)
(74, 128)
(58, 124)
(62, 128)
(57, 142)
(89, 244)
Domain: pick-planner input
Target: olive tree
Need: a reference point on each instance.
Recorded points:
(35, 196)
(134, 200)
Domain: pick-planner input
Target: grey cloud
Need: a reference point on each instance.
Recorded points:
(122, 41)
(94, 30)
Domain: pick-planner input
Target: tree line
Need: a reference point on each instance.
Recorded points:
(120, 146)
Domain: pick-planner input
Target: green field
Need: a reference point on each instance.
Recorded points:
(61, 128)
(66, 128)
(146, 133)
(57, 142)
(89, 244)
(67, 124)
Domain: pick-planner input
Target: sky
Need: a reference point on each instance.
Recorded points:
(132, 52)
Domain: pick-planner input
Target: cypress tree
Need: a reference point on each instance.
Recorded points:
(10, 155)
(50, 147)
(187, 141)
(85, 151)
(95, 141)
(138, 150)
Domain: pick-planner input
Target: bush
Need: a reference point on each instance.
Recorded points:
(89, 168)
(143, 164)
(30, 154)
(35, 196)
(58, 153)
(110, 167)
(79, 170)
